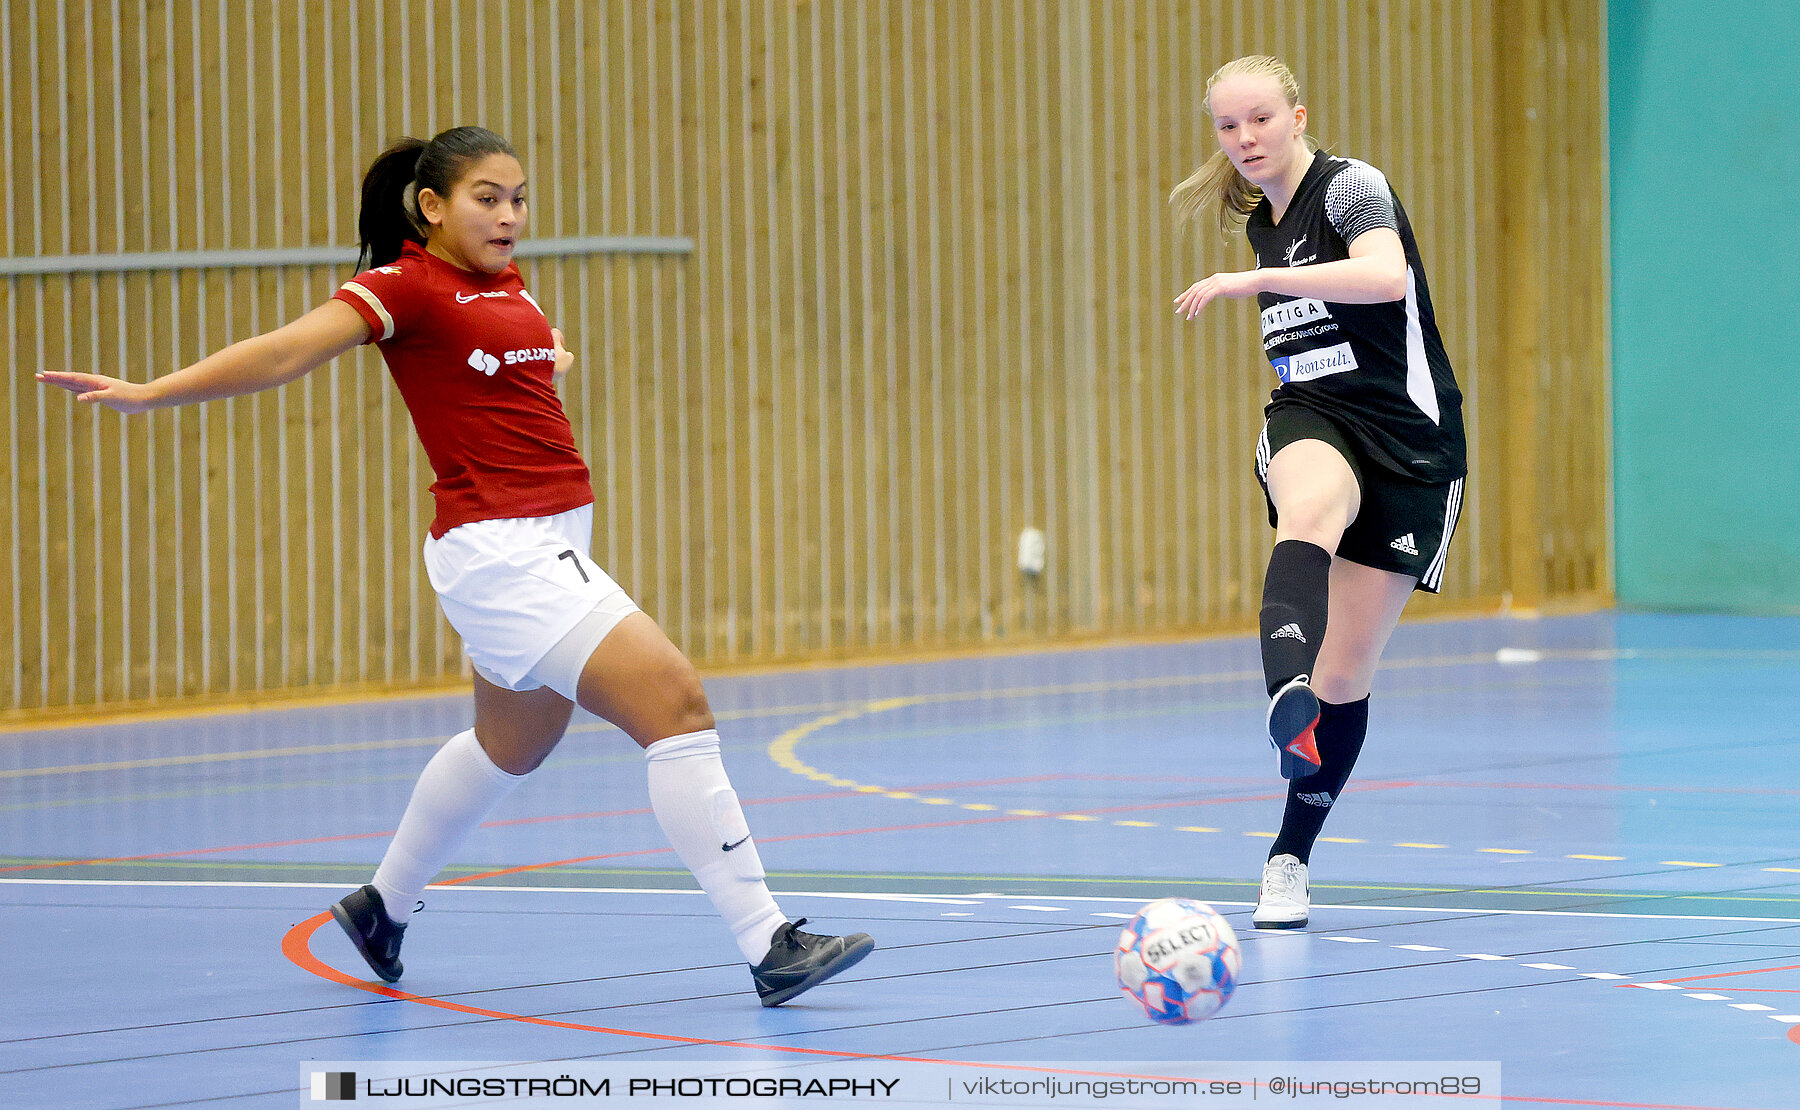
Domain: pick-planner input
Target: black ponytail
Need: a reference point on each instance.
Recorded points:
(390, 218)
(384, 224)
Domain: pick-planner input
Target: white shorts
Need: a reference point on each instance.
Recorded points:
(528, 602)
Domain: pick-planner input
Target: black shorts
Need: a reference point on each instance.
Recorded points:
(1403, 526)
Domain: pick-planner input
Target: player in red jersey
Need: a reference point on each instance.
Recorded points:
(476, 361)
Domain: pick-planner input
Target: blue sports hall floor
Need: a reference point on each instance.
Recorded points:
(1572, 848)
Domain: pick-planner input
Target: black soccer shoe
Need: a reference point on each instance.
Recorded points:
(799, 961)
(365, 922)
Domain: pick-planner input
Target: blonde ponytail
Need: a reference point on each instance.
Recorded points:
(1217, 186)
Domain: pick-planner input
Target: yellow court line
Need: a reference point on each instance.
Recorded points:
(358, 746)
(220, 757)
(782, 750)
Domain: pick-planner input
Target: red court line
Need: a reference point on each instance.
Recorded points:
(194, 852)
(1014, 780)
(760, 840)
(1510, 1097)
(532, 866)
(1618, 788)
(1793, 1033)
(293, 843)
(1095, 776)
(390, 832)
(1729, 974)
(644, 810)
(297, 947)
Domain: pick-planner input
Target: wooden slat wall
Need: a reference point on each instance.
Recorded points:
(929, 306)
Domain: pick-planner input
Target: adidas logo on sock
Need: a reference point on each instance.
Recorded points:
(1405, 544)
(1323, 801)
(1291, 631)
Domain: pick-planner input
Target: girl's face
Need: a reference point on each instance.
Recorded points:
(1257, 128)
(477, 226)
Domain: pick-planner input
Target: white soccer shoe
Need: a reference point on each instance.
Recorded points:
(1286, 895)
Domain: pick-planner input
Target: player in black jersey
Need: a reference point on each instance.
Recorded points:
(1361, 457)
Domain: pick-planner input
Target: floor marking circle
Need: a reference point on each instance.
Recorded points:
(782, 750)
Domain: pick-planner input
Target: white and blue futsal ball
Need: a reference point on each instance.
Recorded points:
(1178, 960)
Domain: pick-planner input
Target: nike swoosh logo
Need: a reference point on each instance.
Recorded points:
(461, 299)
(729, 847)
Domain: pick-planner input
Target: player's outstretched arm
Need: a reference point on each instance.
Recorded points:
(247, 366)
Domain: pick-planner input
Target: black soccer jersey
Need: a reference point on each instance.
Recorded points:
(1378, 370)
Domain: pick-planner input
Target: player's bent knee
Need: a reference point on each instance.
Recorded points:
(1319, 522)
(1342, 678)
(684, 705)
(523, 763)
(1340, 689)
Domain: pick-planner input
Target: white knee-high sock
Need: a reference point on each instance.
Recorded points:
(699, 813)
(458, 788)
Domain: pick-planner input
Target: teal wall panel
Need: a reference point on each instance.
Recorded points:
(1705, 180)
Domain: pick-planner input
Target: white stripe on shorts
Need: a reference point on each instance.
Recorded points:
(1434, 574)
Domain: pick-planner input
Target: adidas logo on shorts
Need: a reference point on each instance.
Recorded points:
(1323, 801)
(1290, 631)
(1405, 545)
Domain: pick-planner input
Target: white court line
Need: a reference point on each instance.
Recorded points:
(949, 899)
(923, 899)
(926, 900)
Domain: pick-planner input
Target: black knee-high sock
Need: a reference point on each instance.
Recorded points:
(1293, 610)
(1339, 734)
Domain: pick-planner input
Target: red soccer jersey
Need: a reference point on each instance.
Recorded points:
(472, 355)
